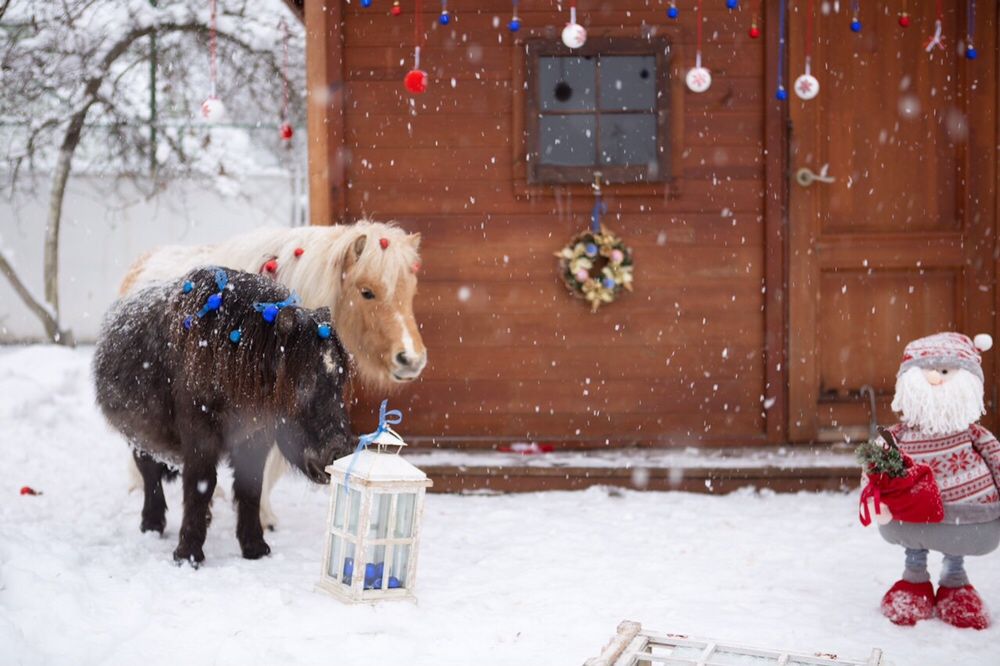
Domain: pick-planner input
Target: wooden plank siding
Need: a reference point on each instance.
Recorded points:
(512, 356)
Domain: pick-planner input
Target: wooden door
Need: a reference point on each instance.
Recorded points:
(901, 243)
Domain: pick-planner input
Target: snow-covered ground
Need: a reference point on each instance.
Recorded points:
(518, 579)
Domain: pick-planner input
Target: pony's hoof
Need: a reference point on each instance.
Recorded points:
(153, 525)
(255, 551)
(192, 556)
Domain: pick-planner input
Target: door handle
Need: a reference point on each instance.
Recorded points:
(805, 176)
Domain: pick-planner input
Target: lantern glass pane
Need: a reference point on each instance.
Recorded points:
(398, 566)
(335, 567)
(348, 568)
(353, 511)
(339, 506)
(379, 526)
(374, 567)
(405, 505)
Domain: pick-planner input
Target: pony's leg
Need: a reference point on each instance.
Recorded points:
(248, 474)
(198, 477)
(274, 469)
(154, 506)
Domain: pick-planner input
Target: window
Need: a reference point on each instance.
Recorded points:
(599, 108)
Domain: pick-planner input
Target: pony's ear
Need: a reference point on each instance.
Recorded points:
(286, 322)
(354, 252)
(414, 240)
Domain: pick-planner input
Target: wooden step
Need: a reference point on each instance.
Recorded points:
(780, 469)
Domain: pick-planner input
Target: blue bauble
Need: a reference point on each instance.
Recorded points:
(188, 286)
(444, 19)
(187, 322)
(234, 336)
(214, 302)
(781, 95)
(970, 53)
(370, 572)
(348, 566)
(672, 13)
(323, 331)
(513, 26)
(394, 583)
(591, 249)
(271, 313)
(855, 25)
(608, 283)
(366, 3)
(732, 4)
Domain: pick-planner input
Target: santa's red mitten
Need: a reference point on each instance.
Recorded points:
(962, 607)
(907, 603)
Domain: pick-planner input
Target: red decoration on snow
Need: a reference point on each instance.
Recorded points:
(286, 131)
(299, 252)
(396, 9)
(28, 490)
(904, 20)
(384, 242)
(271, 266)
(416, 81)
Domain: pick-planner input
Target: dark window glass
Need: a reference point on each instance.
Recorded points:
(567, 84)
(628, 83)
(568, 140)
(628, 138)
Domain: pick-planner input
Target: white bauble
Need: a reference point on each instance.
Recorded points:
(698, 79)
(574, 35)
(213, 110)
(983, 342)
(806, 87)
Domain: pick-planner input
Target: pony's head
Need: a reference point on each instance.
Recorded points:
(374, 304)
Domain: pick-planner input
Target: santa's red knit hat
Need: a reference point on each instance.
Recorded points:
(952, 350)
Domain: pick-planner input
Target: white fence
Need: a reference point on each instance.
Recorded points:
(102, 234)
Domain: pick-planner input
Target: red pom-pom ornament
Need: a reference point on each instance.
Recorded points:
(904, 20)
(299, 252)
(271, 266)
(384, 242)
(396, 9)
(754, 32)
(286, 131)
(416, 81)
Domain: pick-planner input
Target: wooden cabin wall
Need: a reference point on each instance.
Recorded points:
(512, 357)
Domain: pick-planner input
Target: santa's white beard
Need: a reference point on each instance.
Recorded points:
(949, 407)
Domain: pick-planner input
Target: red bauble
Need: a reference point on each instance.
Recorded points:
(271, 266)
(754, 32)
(396, 9)
(299, 252)
(286, 131)
(28, 490)
(904, 20)
(384, 242)
(416, 81)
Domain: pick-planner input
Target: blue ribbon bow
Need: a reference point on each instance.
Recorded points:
(270, 310)
(385, 418)
(600, 208)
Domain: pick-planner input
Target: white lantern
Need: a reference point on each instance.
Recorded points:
(373, 526)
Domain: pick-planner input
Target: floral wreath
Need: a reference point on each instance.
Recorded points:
(596, 265)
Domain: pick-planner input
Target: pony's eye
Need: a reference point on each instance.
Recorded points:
(367, 293)
(944, 372)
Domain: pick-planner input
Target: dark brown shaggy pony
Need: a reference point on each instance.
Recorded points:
(191, 371)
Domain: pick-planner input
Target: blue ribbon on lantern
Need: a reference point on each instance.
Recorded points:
(270, 310)
(385, 418)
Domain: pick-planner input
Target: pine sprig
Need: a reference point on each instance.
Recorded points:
(878, 457)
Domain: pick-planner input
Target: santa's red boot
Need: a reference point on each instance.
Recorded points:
(907, 603)
(962, 607)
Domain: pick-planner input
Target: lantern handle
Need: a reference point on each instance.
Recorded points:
(386, 417)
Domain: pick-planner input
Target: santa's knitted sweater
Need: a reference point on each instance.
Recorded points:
(966, 466)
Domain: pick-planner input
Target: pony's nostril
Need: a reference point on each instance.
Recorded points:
(402, 359)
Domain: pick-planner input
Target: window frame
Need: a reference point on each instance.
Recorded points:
(549, 174)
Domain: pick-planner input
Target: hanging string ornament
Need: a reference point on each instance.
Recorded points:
(365, 4)
(970, 30)
(212, 109)
(855, 15)
(285, 130)
(596, 265)
(754, 23)
(781, 94)
(416, 79)
(732, 4)
(936, 40)
(698, 78)
(806, 86)
(444, 18)
(904, 17)
(515, 23)
(672, 12)
(396, 9)
(573, 35)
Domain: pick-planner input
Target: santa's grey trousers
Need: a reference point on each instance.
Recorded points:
(955, 541)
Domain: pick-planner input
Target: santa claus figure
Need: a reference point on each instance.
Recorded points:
(939, 396)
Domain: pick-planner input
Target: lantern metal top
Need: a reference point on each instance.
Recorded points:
(379, 462)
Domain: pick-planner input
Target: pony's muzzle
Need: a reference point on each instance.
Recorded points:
(408, 366)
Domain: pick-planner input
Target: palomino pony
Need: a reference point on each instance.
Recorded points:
(366, 273)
